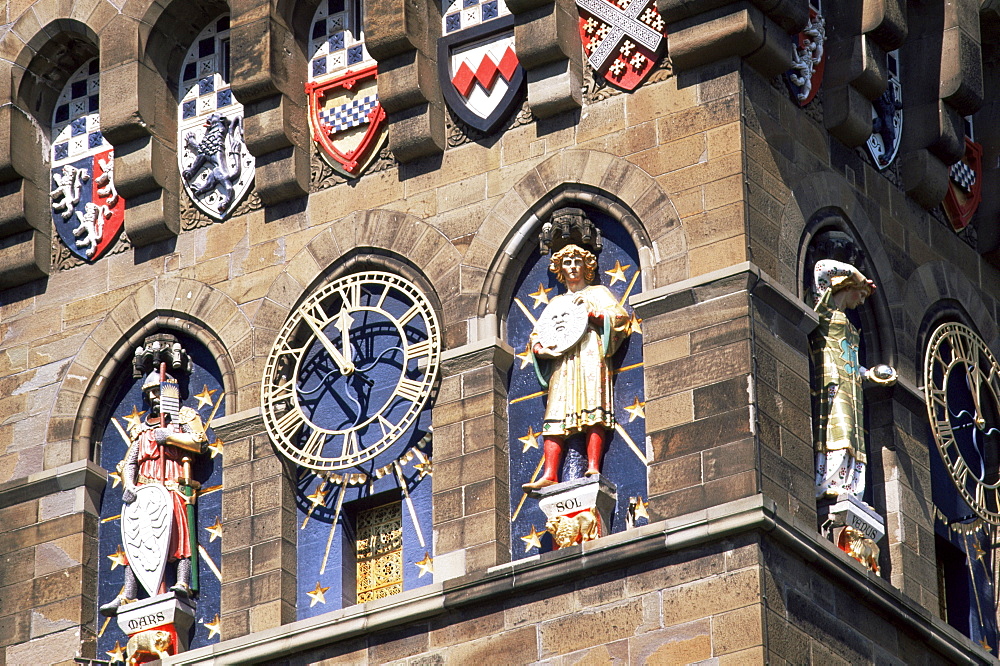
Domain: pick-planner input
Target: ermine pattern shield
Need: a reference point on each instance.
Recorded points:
(887, 117)
(216, 167)
(345, 116)
(965, 186)
(623, 39)
(86, 209)
(808, 59)
(146, 529)
(481, 77)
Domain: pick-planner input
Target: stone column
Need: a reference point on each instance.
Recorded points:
(471, 464)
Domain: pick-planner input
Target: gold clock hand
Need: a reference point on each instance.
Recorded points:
(344, 322)
(346, 367)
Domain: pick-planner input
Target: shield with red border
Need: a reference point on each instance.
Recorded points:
(965, 186)
(481, 77)
(808, 60)
(346, 118)
(623, 40)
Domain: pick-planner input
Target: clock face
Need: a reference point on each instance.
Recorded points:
(350, 371)
(962, 392)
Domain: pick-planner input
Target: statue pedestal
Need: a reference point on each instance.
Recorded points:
(578, 510)
(854, 526)
(157, 626)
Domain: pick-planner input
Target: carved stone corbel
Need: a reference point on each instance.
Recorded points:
(402, 36)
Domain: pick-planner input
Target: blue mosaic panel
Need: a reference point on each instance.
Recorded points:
(337, 40)
(618, 268)
(75, 121)
(126, 400)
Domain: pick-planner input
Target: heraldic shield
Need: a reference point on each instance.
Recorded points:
(965, 186)
(86, 209)
(345, 116)
(481, 77)
(623, 40)
(216, 168)
(887, 117)
(146, 528)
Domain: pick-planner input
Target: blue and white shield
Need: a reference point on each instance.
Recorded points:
(216, 168)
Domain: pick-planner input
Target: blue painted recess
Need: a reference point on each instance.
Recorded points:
(205, 378)
(326, 579)
(526, 400)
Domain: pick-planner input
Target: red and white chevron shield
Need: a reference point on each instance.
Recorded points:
(481, 77)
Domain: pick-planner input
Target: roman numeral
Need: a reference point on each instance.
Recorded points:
(418, 349)
(282, 391)
(409, 315)
(315, 442)
(350, 448)
(290, 422)
(410, 390)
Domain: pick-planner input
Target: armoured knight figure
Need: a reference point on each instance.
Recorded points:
(160, 453)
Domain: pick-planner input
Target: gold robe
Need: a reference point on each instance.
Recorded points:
(839, 375)
(580, 381)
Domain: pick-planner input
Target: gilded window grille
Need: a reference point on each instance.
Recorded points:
(379, 553)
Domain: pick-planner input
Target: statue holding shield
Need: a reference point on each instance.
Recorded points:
(158, 517)
(571, 346)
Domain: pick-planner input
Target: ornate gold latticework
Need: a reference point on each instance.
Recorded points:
(380, 552)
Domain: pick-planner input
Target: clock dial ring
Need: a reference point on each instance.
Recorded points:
(962, 395)
(347, 305)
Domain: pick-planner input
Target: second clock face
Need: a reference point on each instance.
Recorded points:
(962, 391)
(350, 371)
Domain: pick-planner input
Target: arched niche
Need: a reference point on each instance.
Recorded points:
(123, 421)
(526, 286)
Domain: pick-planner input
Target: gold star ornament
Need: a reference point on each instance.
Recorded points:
(529, 441)
(979, 551)
(525, 356)
(116, 478)
(640, 509)
(635, 324)
(215, 530)
(617, 274)
(317, 595)
(532, 539)
(426, 565)
(133, 420)
(318, 497)
(214, 627)
(117, 654)
(216, 447)
(541, 296)
(426, 468)
(117, 558)
(205, 397)
(986, 646)
(637, 410)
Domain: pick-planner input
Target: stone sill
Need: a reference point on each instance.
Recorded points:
(47, 482)
(616, 551)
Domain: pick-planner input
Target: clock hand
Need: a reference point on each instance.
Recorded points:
(974, 383)
(346, 367)
(344, 322)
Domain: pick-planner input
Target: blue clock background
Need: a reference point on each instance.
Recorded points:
(967, 558)
(205, 378)
(617, 269)
(401, 474)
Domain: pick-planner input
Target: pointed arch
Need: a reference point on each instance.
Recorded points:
(589, 177)
(181, 304)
